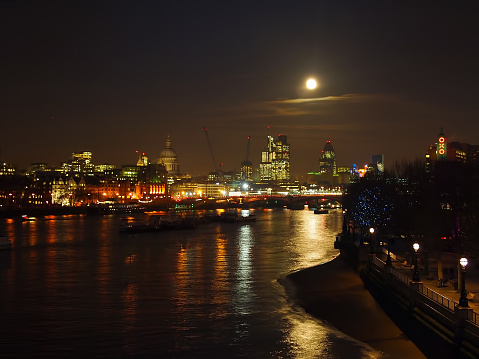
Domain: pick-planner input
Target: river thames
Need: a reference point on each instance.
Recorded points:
(74, 286)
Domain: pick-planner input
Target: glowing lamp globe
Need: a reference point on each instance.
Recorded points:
(416, 246)
(463, 261)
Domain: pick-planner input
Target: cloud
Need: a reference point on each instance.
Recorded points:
(342, 105)
(346, 97)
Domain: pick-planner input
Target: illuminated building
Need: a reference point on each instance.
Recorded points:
(129, 172)
(38, 167)
(142, 160)
(6, 169)
(377, 161)
(80, 163)
(472, 154)
(274, 164)
(203, 189)
(105, 168)
(327, 174)
(327, 161)
(169, 159)
(441, 147)
(63, 190)
(246, 171)
(443, 150)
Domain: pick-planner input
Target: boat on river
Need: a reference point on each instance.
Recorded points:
(135, 225)
(26, 217)
(237, 217)
(5, 243)
(321, 211)
(156, 222)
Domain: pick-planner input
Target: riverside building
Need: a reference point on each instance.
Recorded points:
(443, 150)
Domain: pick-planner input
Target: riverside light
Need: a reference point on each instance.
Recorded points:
(463, 302)
(415, 275)
(371, 248)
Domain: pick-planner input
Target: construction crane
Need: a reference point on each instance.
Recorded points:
(211, 151)
(246, 165)
(247, 149)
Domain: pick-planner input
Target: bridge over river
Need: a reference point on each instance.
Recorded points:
(262, 201)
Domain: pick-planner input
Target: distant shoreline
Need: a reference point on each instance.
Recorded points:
(14, 212)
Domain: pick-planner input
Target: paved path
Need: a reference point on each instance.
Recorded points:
(431, 280)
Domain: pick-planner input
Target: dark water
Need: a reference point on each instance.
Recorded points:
(73, 286)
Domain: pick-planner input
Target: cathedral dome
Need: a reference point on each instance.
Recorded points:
(169, 159)
(168, 153)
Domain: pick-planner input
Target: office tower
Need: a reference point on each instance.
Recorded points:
(327, 161)
(80, 163)
(246, 171)
(275, 164)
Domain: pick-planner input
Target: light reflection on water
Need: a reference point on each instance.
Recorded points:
(76, 286)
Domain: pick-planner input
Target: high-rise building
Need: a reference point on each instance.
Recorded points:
(246, 171)
(378, 162)
(327, 161)
(80, 163)
(274, 164)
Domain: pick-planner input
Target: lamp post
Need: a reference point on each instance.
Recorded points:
(463, 299)
(415, 275)
(388, 259)
(371, 231)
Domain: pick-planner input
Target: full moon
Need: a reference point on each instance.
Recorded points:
(311, 84)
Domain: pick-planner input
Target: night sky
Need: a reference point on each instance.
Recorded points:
(113, 77)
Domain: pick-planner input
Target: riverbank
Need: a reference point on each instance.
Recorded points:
(334, 292)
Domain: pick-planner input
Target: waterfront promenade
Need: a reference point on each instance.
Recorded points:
(431, 280)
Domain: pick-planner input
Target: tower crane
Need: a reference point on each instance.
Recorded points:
(246, 165)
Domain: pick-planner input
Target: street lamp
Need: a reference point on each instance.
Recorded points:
(415, 275)
(388, 260)
(371, 231)
(463, 299)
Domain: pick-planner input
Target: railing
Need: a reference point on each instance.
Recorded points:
(401, 276)
(377, 262)
(473, 317)
(436, 305)
(438, 298)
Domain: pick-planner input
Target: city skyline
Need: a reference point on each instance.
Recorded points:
(116, 77)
